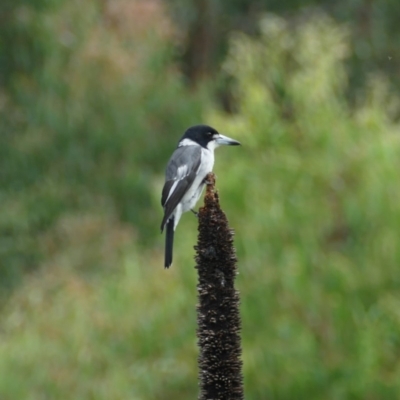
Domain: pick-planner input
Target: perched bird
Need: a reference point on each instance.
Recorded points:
(185, 177)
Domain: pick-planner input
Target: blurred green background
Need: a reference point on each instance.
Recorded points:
(94, 95)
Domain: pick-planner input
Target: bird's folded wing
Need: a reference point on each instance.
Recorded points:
(180, 174)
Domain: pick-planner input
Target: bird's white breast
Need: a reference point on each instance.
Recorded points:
(192, 195)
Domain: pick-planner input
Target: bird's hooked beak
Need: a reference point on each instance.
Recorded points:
(225, 140)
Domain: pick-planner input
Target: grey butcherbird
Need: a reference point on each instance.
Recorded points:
(185, 177)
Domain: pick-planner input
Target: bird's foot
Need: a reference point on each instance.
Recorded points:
(195, 212)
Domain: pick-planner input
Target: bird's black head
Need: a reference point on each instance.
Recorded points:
(205, 136)
(200, 134)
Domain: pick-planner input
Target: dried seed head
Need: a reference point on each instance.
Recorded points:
(218, 316)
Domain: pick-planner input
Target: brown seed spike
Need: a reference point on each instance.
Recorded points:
(220, 365)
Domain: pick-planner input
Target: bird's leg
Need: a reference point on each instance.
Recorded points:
(195, 212)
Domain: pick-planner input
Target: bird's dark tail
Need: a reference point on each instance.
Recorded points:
(169, 242)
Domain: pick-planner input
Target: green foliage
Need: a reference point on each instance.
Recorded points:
(312, 194)
(318, 221)
(87, 121)
(109, 339)
(375, 39)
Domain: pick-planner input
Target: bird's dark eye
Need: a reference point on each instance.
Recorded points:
(210, 134)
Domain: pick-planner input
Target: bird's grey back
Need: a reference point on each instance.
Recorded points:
(184, 155)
